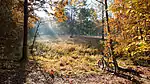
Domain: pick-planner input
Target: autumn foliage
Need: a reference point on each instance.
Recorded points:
(130, 27)
(60, 9)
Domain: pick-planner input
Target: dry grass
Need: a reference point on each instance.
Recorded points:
(67, 58)
(70, 59)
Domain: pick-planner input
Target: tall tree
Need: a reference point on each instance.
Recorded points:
(109, 45)
(25, 48)
(131, 26)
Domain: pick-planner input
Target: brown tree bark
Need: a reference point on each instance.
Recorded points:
(25, 37)
(110, 40)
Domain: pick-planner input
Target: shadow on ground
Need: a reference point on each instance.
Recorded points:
(12, 72)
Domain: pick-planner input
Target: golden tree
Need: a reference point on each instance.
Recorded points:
(130, 27)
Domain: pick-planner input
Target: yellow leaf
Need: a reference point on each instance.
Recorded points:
(134, 1)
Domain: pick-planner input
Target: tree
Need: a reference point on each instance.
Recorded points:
(80, 22)
(108, 53)
(130, 28)
(25, 48)
(12, 22)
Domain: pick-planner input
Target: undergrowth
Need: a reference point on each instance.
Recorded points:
(67, 58)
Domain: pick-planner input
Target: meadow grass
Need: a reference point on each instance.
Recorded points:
(67, 58)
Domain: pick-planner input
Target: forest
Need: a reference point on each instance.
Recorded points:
(75, 42)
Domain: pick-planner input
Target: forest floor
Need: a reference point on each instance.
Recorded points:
(74, 61)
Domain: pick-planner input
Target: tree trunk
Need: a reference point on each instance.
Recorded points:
(25, 37)
(110, 40)
(102, 21)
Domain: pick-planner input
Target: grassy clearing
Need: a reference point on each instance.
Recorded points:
(72, 59)
(67, 58)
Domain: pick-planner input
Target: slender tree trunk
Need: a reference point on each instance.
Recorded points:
(108, 28)
(110, 40)
(35, 35)
(25, 49)
(103, 21)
